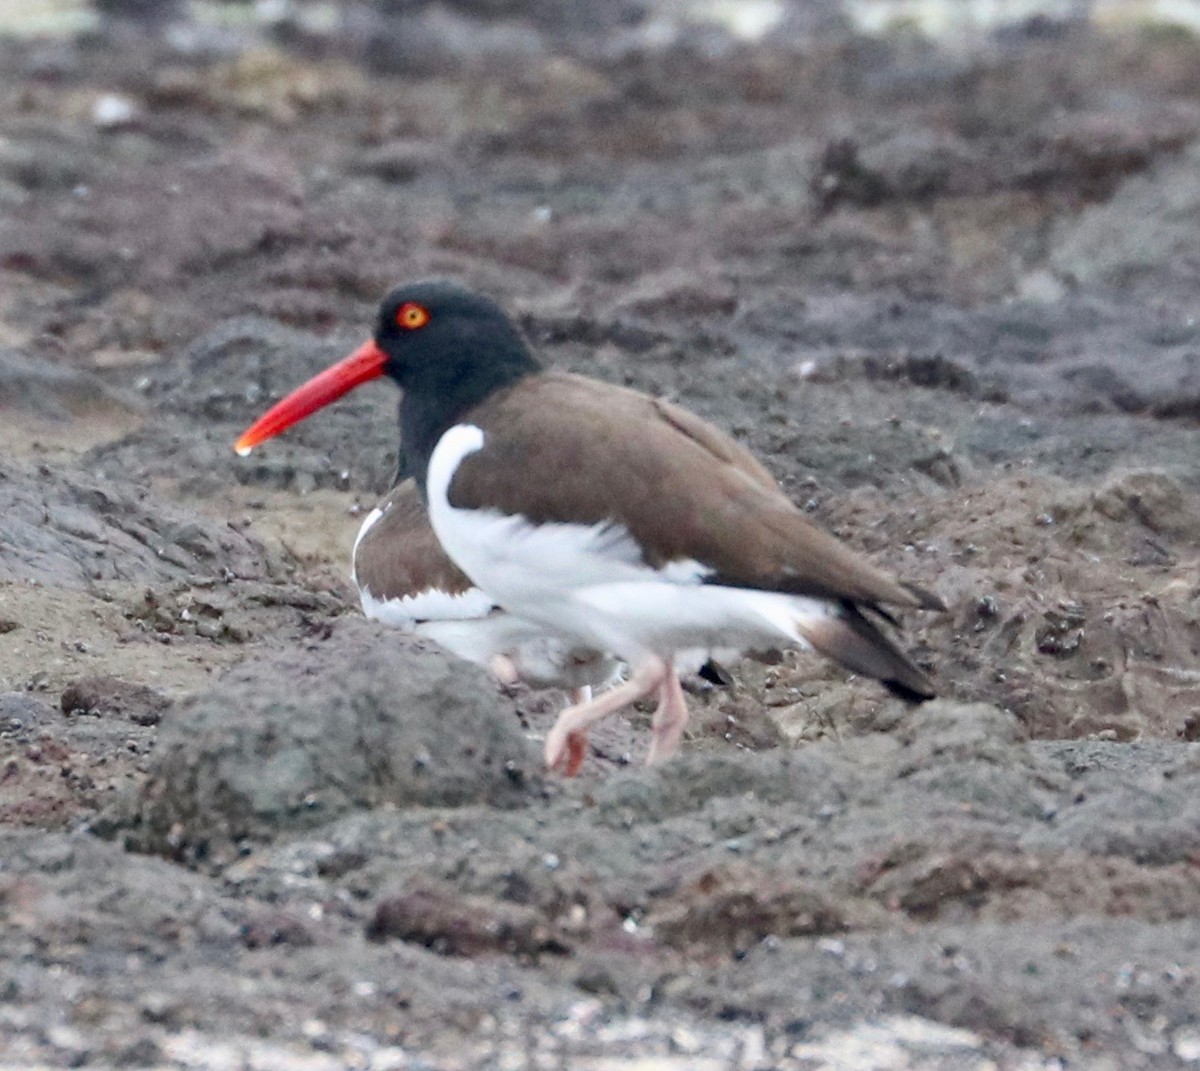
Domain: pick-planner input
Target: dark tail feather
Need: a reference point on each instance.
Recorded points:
(858, 644)
(715, 673)
(926, 599)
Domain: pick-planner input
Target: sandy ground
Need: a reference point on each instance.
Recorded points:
(947, 295)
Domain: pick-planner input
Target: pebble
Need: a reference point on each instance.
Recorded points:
(113, 112)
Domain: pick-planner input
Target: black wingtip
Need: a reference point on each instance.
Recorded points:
(926, 599)
(715, 673)
(904, 690)
(859, 644)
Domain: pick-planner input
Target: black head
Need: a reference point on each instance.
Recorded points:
(447, 343)
(447, 348)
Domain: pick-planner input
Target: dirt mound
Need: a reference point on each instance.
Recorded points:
(68, 528)
(363, 719)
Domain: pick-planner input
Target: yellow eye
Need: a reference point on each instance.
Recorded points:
(410, 316)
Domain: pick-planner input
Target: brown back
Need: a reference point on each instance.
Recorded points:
(683, 488)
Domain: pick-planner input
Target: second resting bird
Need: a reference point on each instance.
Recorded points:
(405, 580)
(618, 522)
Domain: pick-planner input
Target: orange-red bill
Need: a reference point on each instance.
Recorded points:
(366, 362)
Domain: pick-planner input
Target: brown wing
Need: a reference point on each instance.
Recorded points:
(684, 489)
(716, 442)
(400, 555)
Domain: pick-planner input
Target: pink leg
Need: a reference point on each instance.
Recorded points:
(566, 743)
(504, 670)
(669, 719)
(577, 742)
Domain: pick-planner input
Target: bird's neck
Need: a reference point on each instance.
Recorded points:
(429, 410)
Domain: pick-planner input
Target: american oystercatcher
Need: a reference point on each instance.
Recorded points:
(405, 580)
(616, 521)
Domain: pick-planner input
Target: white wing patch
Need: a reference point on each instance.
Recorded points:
(429, 605)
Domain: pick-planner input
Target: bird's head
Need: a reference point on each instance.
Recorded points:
(437, 341)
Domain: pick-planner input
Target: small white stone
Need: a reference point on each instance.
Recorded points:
(111, 111)
(1186, 1045)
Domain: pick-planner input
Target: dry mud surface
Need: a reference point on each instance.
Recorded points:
(948, 297)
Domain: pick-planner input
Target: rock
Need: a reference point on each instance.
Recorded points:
(112, 111)
(734, 908)
(68, 528)
(434, 915)
(104, 696)
(1154, 499)
(1152, 219)
(401, 161)
(363, 720)
(55, 391)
